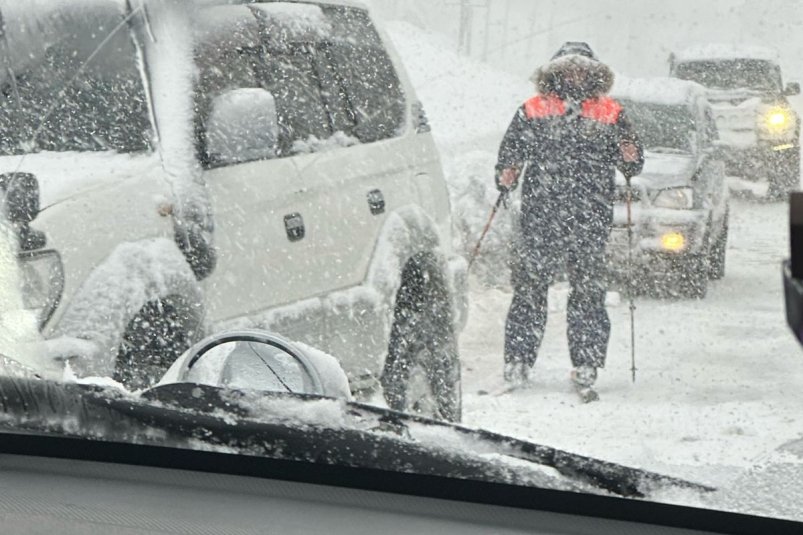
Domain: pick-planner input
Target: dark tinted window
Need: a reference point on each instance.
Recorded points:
(291, 76)
(243, 58)
(732, 74)
(661, 126)
(368, 77)
(339, 80)
(80, 91)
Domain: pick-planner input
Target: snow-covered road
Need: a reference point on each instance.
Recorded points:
(720, 381)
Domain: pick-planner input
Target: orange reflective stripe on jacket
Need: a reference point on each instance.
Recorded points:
(541, 106)
(604, 110)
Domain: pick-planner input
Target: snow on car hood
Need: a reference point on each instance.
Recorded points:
(63, 175)
(667, 170)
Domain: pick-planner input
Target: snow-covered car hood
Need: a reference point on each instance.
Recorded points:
(63, 175)
(667, 170)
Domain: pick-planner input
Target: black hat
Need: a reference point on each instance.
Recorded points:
(577, 48)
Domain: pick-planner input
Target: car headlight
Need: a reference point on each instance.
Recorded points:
(42, 282)
(777, 120)
(673, 241)
(676, 198)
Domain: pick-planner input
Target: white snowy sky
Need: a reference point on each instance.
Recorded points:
(634, 36)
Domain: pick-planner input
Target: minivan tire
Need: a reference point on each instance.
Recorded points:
(154, 338)
(784, 174)
(691, 276)
(422, 369)
(716, 263)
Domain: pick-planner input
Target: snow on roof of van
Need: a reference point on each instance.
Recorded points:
(668, 91)
(283, 20)
(716, 51)
(347, 3)
(296, 18)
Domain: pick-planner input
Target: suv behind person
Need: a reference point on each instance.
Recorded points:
(261, 165)
(758, 128)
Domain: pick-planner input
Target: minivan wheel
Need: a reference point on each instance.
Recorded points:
(691, 277)
(422, 370)
(155, 337)
(784, 174)
(716, 262)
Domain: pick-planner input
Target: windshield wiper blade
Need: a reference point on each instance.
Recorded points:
(619, 479)
(210, 416)
(184, 413)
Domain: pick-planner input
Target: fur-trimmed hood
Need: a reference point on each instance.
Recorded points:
(549, 77)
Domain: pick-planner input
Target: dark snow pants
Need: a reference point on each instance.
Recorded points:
(555, 232)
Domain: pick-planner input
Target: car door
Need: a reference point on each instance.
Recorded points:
(712, 167)
(265, 257)
(366, 169)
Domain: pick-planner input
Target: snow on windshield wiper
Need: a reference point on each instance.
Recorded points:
(616, 478)
(285, 426)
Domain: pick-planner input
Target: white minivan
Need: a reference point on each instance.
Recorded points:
(192, 166)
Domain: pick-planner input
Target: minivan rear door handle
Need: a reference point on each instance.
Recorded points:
(294, 225)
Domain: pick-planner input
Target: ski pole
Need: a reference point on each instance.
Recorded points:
(502, 196)
(629, 202)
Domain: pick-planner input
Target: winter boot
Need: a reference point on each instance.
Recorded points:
(584, 376)
(516, 373)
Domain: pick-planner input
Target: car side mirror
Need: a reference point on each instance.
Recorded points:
(243, 126)
(792, 89)
(259, 361)
(793, 268)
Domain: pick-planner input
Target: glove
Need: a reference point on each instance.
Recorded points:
(507, 178)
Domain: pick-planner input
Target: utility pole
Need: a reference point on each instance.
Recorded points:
(465, 30)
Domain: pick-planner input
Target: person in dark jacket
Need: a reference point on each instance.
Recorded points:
(564, 145)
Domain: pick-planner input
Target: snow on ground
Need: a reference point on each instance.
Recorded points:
(719, 380)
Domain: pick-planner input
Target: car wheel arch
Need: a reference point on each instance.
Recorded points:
(118, 289)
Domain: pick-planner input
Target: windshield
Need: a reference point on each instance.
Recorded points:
(661, 127)
(72, 83)
(753, 75)
(490, 240)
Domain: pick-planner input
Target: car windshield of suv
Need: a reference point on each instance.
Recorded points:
(753, 75)
(71, 83)
(662, 128)
(476, 240)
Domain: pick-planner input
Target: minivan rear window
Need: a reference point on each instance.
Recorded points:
(370, 81)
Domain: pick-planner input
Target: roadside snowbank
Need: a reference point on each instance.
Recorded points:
(470, 105)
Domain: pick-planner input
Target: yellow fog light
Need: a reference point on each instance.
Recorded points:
(673, 241)
(776, 119)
